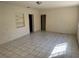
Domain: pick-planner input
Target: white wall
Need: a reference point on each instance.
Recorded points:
(61, 20)
(78, 26)
(8, 30)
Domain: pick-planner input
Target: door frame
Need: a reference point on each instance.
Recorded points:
(41, 22)
(32, 23)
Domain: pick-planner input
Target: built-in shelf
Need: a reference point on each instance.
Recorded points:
(20, 21)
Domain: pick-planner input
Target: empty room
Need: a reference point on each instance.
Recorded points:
(39, 29)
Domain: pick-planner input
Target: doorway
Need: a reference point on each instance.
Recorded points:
(43, 22)
(30, 23)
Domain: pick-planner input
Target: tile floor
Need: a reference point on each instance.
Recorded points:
(41, 45)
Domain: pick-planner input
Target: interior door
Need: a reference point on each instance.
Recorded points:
(43, 22)
(31, 23)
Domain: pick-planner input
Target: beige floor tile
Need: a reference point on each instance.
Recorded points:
(39, 45)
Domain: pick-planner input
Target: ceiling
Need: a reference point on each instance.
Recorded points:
(44, 4)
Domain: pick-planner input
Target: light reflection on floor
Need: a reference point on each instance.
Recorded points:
(59, 50)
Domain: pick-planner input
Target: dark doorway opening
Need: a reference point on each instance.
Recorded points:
(43, 22)
(31, 23)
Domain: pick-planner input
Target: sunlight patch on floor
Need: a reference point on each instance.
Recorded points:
(58, 50)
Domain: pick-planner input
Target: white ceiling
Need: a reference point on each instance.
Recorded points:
(44, 4)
